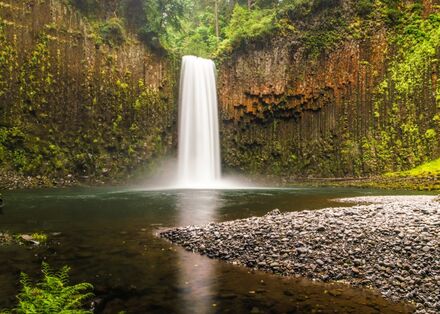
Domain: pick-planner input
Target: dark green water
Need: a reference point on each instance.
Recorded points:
(108, 238)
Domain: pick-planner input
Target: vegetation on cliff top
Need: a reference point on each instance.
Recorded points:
(214, 28)
(211, 28)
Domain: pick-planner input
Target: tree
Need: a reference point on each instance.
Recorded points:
(163, 13)
(217, 34)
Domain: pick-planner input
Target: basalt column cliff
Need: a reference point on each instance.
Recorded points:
(81, 98)
(346, 92)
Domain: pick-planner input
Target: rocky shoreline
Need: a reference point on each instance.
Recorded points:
(389, 243)
(416, 183)
(10, 180)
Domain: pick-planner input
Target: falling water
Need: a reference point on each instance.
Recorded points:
(199, 148)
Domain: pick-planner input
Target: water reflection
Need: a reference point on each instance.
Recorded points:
(195, 276)
(108, 239)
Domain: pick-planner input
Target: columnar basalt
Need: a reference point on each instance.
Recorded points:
(73, 105)
(343, 110)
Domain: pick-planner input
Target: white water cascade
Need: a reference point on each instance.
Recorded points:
(199, 144)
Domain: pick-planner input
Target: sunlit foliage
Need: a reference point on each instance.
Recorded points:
(53, 294)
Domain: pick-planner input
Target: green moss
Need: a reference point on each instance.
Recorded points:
(396, 127)
(94, 122)
(85, 6)
(431, 168)
(112, 32)
(382, 182)
(418, 45)
(246, 25)
(327, 33)
(319, 41)
(365, 7)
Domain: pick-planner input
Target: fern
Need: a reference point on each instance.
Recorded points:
(52, 294)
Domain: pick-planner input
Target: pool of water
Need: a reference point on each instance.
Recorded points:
(108, 239)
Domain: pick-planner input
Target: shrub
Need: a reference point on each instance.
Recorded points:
(365, 7)
(324, 4)
(85, 6)
(391, 12)
(53, 294)
(248, 24)
(112, 32)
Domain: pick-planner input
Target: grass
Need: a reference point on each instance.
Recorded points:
(425, 177)
(431, 168)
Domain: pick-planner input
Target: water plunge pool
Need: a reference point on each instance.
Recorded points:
(108, 238)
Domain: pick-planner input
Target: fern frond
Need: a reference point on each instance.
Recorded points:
(24, 280)
(63, 274)
(52, 294)
(78, 301)
(45, 269)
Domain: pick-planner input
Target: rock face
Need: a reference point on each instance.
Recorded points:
(295, 105)
(73, 104)
(392, 245)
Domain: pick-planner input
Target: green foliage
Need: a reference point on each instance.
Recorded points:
(112, 32)
(161, 14)
(28, 154)
(391, 12)
(148, 18)
(316, 42)
(204, 28)
(39, 236)
(248, 24)
(431, 168)
(160, 19)
(409, 135)
(324, 4)
(194, 37)
(86, 6)
(197, 31)
(295, 9)
(417, 46)
(365, 7)
(396, 127)
(7, 63)
(327, 34)
(52, 294)
(36, 79)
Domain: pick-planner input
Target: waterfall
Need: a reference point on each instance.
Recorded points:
(199, 144)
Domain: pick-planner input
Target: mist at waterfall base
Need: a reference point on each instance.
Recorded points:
(198, 164)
